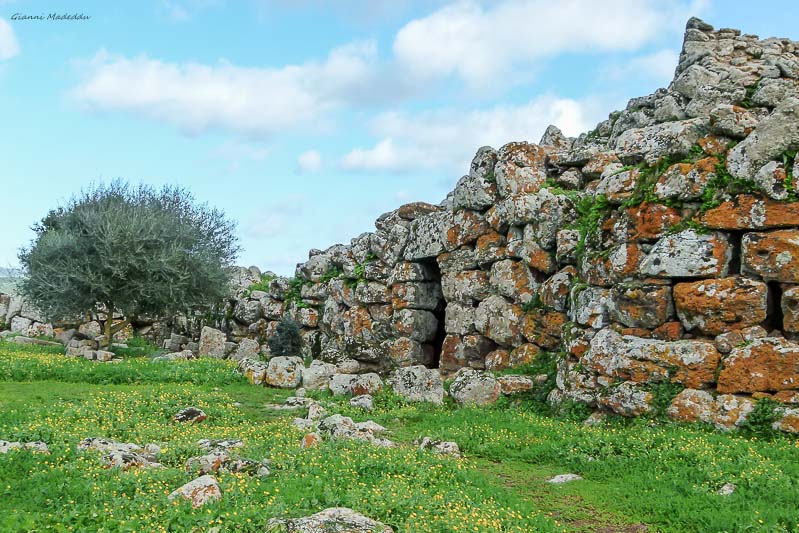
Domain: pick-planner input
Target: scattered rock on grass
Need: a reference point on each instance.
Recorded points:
(726, 489)
(199, 491)
(35, 446)
(364, 401)
(190, 414)
(564, 478)
(334, 519)
(442, 447)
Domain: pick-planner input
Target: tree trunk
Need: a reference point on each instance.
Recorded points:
(109, 325)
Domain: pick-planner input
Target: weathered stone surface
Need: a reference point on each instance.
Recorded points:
(688, 254)
(686, 181)
(512, 279)
(617, 184)
(790, 309)
(469, 350)
(474, 192)
(471, 387)
(200, 491)
(773, 256)
(771, 180)
(192, 415)
(317, 375)
(660, 140)
(212, 343)
(520, 168)
(554, 292)
(408, 271)
(641, 305)
(544, 327)
(466, 287)
(692, 363)
(511, 384)
(771, 137)
(499, 320)
(416, 295)
(329, 520)
(355, 384)
(590, 306)
(418, 384)
(715, 306)
(752, 213)
(443, 447)
(247, 348)
(732, 121)
(627, 400)
(725, 412)
(649, 221)
(523, 355)
(284, 372)
(406, 352)
(459, 318)
(417, 324)
(765, 365)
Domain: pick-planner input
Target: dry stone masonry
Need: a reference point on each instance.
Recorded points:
(660, 248)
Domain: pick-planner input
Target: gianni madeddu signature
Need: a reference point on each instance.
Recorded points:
(52, 17)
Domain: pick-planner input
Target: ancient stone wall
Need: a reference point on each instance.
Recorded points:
(660, 248)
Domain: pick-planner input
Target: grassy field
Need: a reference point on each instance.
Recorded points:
(638, 476)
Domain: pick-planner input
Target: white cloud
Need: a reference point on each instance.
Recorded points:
(658, 66)
(254, 101)
(9, 47)
(274, 219)
(310, 161)
(240, 152)
(447, 139)
(481, 45)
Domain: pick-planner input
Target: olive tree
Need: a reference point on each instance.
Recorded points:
(134, 251)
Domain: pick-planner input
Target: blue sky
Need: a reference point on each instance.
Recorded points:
(306, 120)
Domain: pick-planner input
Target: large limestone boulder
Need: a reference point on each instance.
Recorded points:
(471, 387)
(640, 360)
(715, 306)
(765, 365)
(355, 384)
(317, 375)
(773, 256)
(688, 254)
(200, 491)
(212, 343)
(284, 372)
(418, 384)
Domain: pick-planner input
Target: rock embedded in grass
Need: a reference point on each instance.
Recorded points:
(199, 491)
(439, 446)
(334, 519)
(564, 478)
(418, 384)
(364, 401)
(192, 415)
(35, 446)
(475, 388)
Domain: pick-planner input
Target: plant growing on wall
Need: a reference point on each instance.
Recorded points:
(132, 251)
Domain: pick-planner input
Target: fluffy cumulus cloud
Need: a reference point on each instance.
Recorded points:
(253, 101)
(658, 66)
(446, 139)
(310, 161)
(9, 47)
(479, 44)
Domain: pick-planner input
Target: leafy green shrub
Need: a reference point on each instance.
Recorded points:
(287, 339)
(759, 421)
(663, 394)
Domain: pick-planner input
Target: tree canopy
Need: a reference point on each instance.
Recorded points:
(136, 250)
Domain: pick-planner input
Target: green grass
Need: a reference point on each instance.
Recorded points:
(635, 472)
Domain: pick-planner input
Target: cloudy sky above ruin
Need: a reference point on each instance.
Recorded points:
(305, 120)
